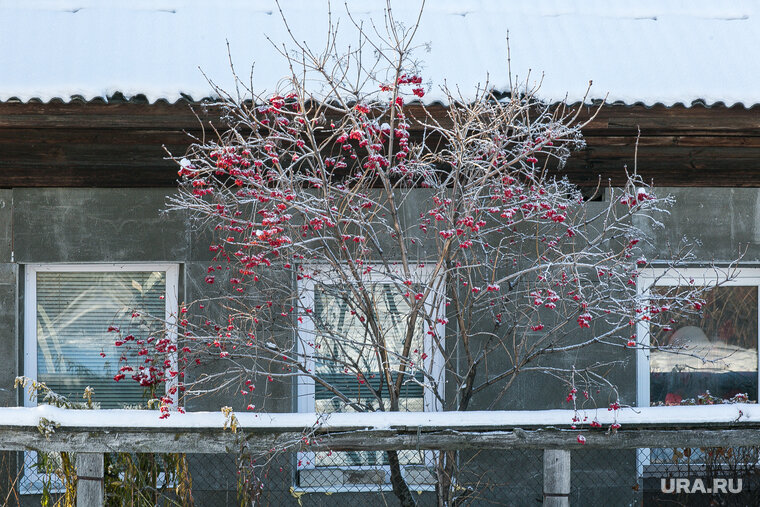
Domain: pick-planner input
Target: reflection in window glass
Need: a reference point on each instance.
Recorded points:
(74, 310)
(712, 350)
(343, 346)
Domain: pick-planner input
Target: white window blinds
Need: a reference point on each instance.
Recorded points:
(343, 345)
(74, 311)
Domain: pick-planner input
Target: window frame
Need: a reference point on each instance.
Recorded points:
(305, 388)
(171, 300)
(663, 277)
(667, 277)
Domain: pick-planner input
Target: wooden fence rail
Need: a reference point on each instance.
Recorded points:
(90, 433)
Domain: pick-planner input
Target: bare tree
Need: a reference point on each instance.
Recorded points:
(389, 256)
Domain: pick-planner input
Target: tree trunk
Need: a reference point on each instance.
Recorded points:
(443, 484)
(400, 489)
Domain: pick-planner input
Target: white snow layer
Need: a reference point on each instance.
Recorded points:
(647, 51)
(734, 414)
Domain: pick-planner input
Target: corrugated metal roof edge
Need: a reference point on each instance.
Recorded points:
(120, 98)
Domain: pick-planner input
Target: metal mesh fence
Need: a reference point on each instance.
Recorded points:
(700, 476)
(604, 477)
(480, 478)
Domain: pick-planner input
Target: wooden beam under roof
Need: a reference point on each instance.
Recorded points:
(120, 144)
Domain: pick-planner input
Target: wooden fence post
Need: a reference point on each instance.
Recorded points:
(556, 478)
(89, 480)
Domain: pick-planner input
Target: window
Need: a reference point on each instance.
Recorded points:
(713, 349)
(67, 311)
(336, 345)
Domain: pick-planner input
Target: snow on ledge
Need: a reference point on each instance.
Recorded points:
(637, 52)
(724, 415)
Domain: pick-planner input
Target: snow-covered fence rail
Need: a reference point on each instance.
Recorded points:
(91, 433)
(53, 429)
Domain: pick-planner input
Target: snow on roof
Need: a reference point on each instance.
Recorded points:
(647, 51)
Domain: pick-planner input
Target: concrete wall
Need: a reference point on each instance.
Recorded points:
(126, 225)
(724, 221)
(78, 225)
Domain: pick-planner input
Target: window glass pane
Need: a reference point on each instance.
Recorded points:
(74, 310)
(342, 336)
(714, 349)
(342, 341)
